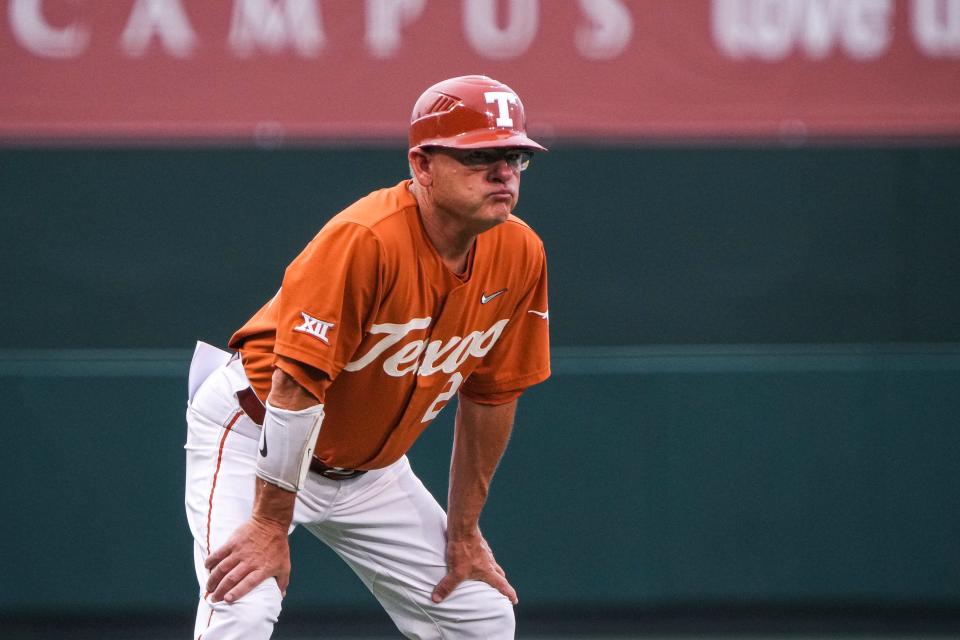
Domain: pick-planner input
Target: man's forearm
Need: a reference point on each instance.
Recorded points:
(480, 438)
(259, 549)
(273, 503)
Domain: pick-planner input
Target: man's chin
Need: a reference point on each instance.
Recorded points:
(498, 215)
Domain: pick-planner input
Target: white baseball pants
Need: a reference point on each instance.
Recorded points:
(384, 524)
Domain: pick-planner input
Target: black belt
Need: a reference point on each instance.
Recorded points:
(251, 405)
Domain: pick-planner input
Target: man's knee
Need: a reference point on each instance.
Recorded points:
(499, 621)
(485, 613)
(252, 616)
(474, 611)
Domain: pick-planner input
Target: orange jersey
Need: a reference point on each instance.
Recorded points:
(370, 304)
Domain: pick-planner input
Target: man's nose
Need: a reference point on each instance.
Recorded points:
(501, 170)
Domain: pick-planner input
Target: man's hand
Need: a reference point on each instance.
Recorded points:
(472, 559)
(256, 551)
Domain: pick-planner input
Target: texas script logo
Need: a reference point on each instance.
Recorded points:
(425, 358)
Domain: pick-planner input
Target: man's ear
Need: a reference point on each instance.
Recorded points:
(421, 166)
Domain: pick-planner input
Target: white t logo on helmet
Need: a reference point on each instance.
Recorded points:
(502, 98)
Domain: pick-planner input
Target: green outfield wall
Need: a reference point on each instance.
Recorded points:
(755, 392)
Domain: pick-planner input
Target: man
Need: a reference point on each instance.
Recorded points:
(410, 296)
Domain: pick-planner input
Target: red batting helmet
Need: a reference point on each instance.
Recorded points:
(470, 112)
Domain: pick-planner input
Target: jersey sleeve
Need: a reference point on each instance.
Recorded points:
(329, 295)
(521, 358)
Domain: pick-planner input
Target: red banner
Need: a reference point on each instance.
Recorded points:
(322, 70)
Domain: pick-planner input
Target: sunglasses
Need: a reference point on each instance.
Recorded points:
(516, 159)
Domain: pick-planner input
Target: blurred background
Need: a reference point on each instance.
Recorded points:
(752, 215)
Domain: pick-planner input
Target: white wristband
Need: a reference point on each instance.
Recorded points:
(286, 445)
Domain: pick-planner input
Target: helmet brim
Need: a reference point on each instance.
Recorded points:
(489, 139)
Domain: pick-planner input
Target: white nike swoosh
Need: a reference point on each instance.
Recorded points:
(543, 314)
(484, 298)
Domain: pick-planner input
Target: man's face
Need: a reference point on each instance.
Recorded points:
(479, 187)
